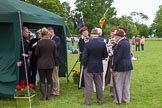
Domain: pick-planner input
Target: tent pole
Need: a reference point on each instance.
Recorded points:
(22, 43)
(67, 78)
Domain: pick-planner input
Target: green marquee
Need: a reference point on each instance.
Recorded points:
(13, 15)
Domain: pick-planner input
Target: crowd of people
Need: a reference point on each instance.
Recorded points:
(137, 43)
(93, 51)
(40, 54)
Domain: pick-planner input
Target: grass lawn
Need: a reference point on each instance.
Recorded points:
(146, 87)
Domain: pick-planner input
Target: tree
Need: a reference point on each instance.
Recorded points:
(51, 5)
(127, 22)
(143, 30)
(157, 24)
(56, 7)
(68, 19)
(139, 17)
(93, 11)
(66, 9)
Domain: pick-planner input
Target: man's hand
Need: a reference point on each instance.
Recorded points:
(30, 53)
(112, 72)
(19, 63)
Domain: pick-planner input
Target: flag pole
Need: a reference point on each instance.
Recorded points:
(102, 20)
(106, 11)
(82, 18)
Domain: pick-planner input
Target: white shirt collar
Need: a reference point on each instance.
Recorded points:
(82, 37)
(120, 40)
(52, 36)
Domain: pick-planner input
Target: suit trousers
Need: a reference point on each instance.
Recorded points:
(56, 82)
(98, 81)
(122, 80)
(105, 63)
(45, 74)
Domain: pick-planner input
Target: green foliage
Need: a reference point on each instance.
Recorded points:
(23, 91)
(50, 5)
(143, 30)
(93, 11)
(139, 17)
(66, 9)
(157, 25)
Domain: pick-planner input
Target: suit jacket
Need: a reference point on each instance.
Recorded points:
(94, 52)
(81, 44)
(58, 43)
(122, 61)
(46, 54)
(22, 55)
(32, 46)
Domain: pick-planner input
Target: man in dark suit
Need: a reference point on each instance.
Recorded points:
(24, 58)
(94, 52)
(83, 39)
(121, 68)
(33, 58)
(55, 75)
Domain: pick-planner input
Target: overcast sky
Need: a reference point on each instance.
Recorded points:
(125, 7)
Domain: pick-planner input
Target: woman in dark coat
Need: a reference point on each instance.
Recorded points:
(46, 53)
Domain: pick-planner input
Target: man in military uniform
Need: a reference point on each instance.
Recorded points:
(83, 39)
(24, 58)
(33, 58)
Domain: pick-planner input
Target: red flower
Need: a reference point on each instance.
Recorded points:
(18, 87)
(78, 75)
(27, 87)
(31, 86)
(76, 71)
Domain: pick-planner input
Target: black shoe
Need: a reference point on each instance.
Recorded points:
(54, 95)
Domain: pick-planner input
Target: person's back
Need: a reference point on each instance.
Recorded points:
(122, 61)
(96, 50)
(93, 54)
(121, 68)
(137, 40)
(46, 54)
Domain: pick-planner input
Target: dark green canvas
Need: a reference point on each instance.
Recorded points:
(14, 14)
